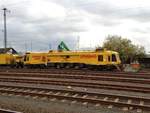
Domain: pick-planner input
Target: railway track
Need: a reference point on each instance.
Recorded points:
(8, 111)
(97, 99)
(130, 75)
(79, 83)
(79, 72)
(138, 82)
(131, 79)
(71, 71)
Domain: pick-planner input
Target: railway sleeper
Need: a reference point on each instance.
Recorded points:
(73, 94)
(85, 101)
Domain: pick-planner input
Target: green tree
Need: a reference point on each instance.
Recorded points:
(128, 51)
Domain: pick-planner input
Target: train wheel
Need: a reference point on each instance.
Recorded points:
(58, 66)
(81, 66)
(62, 65)
(76, 66)
(100, 68)
(71, 65)
(90, 67)
(67, 66)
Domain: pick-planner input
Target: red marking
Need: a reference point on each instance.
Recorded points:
(36, 57)
(87, 56)
(44, 58)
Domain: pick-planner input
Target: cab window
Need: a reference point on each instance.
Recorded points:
(108, 58)
(100, 58)
(114, 58)
(26, 58)
(67, 56)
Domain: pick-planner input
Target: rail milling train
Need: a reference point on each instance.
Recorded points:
(98, 59)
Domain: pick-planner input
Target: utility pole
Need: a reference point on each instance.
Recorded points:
(5, 28)
(25, 45)
(78, 42)
(31, 46)
(50, 47)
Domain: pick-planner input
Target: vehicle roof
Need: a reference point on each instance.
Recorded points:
(8, 50)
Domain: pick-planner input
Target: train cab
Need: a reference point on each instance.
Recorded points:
(35, 59)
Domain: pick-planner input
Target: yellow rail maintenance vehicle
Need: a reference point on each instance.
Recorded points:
(99, 59)
(19, 61)
(35, 59)
(8, 57)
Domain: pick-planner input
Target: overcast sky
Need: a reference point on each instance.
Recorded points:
(44, 23)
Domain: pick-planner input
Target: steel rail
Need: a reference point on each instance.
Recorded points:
(8, 87)
(8, 111)
(85, 77)
(130, 75)
(85, 84)
(77, 98)
(71, 70)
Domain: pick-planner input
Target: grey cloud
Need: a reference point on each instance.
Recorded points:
(107, 22)
(24, 28)
(24, 31)
(140, 30)
(107, 10)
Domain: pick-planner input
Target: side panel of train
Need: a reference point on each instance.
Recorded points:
(35, 59)
(11, 60)
(72, 59)
(95, 59)
(7, 59)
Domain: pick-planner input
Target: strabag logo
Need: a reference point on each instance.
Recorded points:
(88, 56)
